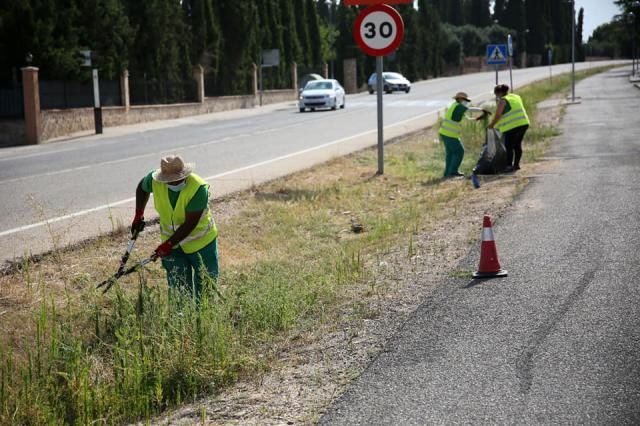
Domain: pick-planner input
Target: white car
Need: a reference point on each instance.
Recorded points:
(391, 82)
(322, 94)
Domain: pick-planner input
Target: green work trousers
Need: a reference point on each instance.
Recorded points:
(186, 272)
(454, 151)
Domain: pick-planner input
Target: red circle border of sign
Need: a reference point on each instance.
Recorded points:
(399, 25)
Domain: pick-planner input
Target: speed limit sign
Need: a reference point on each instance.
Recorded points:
(378, 30)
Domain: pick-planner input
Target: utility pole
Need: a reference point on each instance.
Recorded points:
(573, 50)
(635, 64)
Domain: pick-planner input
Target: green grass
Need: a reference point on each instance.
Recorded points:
(288, 257)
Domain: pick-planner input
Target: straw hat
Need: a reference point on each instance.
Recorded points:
(172, 168)
(462, 95)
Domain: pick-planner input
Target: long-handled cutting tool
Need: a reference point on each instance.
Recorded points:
(121, 269)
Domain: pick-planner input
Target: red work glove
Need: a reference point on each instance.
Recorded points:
(138, 222)
(164, 249)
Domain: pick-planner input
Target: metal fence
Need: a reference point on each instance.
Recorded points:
(153, 92)
(242, 85)
(61, 94)
(11, 103)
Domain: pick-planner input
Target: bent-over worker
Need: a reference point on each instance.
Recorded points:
(189, 249)
(512, 121)
(450, 130)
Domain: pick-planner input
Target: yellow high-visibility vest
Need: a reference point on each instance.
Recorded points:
(516, 117)
(448, 127)
(172, 218)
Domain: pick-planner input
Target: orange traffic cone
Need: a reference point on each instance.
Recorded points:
(489, 264)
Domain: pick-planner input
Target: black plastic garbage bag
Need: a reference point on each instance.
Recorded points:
(493, 157)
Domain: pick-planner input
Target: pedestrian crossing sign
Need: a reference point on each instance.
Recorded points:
(496, 54)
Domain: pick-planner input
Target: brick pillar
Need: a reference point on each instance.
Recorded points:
(294, 76)
(350, 76)
(255, 80)
(325, 70)
(124, 90)
(198, 75)
(31, 94)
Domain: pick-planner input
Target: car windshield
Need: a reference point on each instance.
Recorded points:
(392, 75)
(316, 85)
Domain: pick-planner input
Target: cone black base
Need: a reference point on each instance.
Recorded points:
(501, 273)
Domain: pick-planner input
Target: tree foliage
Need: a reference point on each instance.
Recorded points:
(164, 39)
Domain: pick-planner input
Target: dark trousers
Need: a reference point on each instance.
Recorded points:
(513, 144)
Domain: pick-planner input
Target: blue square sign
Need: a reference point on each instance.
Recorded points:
(496, 54)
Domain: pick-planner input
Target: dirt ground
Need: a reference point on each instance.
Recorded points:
(313, 370)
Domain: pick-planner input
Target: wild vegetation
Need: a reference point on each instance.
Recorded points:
(291, 250)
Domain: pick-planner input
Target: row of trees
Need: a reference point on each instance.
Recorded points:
(163, 40)
(621, 35)
(159, 39)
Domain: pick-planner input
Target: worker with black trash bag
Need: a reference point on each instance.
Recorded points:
(512, 121)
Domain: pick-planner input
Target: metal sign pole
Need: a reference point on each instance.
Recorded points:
(97, 109)
(510, 53)
(510, 72)
(380, 126)
(260, 85)
(496, 74)
(573, 51)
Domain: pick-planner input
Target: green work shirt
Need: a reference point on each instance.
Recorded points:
(507, 106)
(458, 113)
(197, 203)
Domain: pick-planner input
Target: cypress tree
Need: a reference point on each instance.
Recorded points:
(409, 54)
(315, 42)
(498, 10)
(302, 30)
(206, 37)
(241, 48)
(292, 49)
(432, 40)
(580, 54)
(105, 29)
(480, 13)
(538, 35)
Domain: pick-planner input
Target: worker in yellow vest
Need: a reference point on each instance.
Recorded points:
(189, 249)
(512, 121)
(450, 130)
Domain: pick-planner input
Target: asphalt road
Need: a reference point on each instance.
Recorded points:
(62, 192)
(558, 340)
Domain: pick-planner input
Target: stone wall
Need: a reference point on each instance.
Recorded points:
(471, 64)
(57, 123)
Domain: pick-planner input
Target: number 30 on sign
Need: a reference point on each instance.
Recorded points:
(378, 30)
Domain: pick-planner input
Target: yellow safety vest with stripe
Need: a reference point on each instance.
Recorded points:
(171, 218)
(516, 117)
(448, 127)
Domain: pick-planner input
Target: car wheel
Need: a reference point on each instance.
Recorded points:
(313, 109)
(388, 90)
(371, 91)
(344, 102)
(302, 109)
(407, 91)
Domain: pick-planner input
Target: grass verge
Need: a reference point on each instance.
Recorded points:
(289, 257)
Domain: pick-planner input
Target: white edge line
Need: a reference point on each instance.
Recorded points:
(68, 216)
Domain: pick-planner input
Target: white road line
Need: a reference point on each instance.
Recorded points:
(68, 216)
